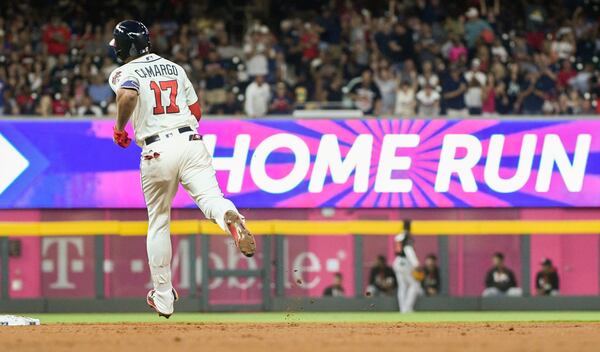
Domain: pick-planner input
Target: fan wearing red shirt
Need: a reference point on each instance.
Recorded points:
(56, 37)
(565, 74)
(309, 41)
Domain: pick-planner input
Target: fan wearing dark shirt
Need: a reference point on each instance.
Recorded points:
(546, 280)
(336, 289)
(382, 280)
(366, 95)
(431, 278)
(500, 280)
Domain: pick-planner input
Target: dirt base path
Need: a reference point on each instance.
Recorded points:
(413, 337)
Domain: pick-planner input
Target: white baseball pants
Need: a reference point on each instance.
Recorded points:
(165, 163)
(408, 287)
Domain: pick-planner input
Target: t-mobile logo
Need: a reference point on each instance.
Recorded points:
(62, 264)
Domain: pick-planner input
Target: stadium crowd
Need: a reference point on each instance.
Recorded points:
(419, 57)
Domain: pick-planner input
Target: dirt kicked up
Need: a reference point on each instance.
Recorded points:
(313, 337)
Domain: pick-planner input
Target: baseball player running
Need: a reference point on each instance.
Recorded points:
(158, 97)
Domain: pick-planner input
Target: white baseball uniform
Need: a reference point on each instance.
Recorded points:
(165, 92)
(408, 287)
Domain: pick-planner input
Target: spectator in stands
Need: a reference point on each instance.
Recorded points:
(333, 92)
(99, 91)
(502, 103)
(304, 90)
(215, 95)
(2, 89)
(401, 44)
(258, 95)
(475, 82)
(565, 74)
(454, 88)
(232, 105)
(428, 101)
(56, 37)
(312, 50)
(405, 100)
(309, 41)
(582, 81)
(387, 85)
(475, 27)
(281, 103)
(546, 280)
(366, 95)
(45, 106)
(88, 108)
(500, 280)
(428, 77)
(60, 105)
(256, 50)
(431, 276)
(531, 99)
(382, 280)
(25, 101)
(336, 289)
(456, 50)
(488, 106)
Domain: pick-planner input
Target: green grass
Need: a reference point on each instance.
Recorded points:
(282, 317)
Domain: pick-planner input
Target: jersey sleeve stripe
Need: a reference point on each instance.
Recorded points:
(131, 84)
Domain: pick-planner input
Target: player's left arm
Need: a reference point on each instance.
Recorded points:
(192, 99)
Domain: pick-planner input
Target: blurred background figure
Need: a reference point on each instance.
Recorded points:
(405, 263)
(405, 100)
(366, 95)
(431, 276)
(428, 102)
(500, 280)
(382, 280)
(546, 280)
(258, 94)
(336, 289)
(281, 103)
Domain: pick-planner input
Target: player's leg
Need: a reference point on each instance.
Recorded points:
(413, 291)
(159, 183)
(198, 177)
(401, 293)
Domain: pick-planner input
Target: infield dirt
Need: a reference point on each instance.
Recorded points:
(413, 337)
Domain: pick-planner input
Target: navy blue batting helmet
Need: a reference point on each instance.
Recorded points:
(130, 39)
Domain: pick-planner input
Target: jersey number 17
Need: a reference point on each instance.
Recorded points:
(158, 88)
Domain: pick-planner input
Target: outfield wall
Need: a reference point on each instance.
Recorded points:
(65, 266)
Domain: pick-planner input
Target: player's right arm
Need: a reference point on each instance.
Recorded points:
(126, 102)
(126, 88)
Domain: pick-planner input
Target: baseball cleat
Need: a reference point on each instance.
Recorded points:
(152, 304)
(242, 237)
